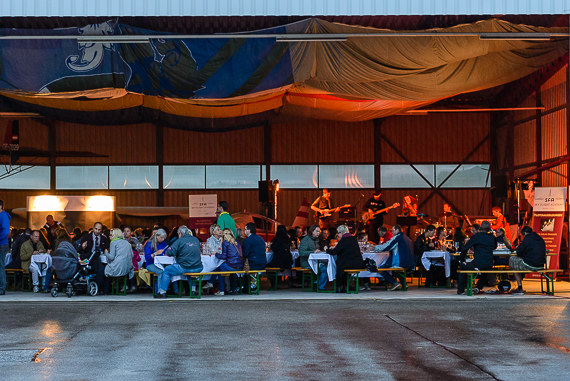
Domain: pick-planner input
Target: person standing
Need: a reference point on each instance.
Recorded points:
(95, 243)
(323, 206)
(448, 219)
(501, 222)
(371, 209)
(4, 236)
(225, 221)
(51, 227)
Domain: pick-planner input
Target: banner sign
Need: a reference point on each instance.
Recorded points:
(202, 205)
(548, 220)
(202, 213)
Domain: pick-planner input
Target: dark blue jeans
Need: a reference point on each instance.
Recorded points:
(3, 251)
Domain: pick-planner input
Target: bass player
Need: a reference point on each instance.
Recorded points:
(373, 216)
(324, 208)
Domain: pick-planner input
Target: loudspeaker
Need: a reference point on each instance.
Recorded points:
(265, 188)
(501, 186)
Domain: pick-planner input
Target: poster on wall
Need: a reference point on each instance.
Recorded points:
(202, 212)
(548, 220)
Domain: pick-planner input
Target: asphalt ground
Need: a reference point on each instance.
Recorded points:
(491, 337)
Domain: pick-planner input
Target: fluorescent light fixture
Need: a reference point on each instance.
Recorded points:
(514, 36)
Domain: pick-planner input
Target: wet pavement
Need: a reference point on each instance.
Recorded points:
(488, 338)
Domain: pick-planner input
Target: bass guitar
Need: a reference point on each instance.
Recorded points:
(367, 216)
(325, 213)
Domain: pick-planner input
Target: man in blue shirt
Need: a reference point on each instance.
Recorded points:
(4, 234)
(253, 249)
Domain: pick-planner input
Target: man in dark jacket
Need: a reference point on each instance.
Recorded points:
(424, 242)
(483, 243)
(186, 250)
(401, 254)
(531, 255)
(348, 255)
(254, 248)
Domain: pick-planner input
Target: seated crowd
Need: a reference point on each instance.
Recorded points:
(126, 252)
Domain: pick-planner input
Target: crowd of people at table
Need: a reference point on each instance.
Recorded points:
(123, 251)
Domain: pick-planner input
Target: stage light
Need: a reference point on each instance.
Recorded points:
(46, 204)
(100, 204)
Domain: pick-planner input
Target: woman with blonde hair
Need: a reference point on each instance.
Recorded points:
(233, 257)
(155, 246)
(119, 258)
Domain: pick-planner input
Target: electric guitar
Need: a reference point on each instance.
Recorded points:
(367, 216)
(325, 213)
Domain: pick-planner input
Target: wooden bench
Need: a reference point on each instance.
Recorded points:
(354, 273)
(274, 273)
(305, 274)
(11, 276)
(255, 274)
(546, 274)
(153, 286)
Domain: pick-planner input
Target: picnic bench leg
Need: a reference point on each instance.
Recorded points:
(549, 281)
(349, 278)
(469, 284)
(404, 282)
(191, 280)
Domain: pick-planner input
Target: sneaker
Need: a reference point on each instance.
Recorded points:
(460, 292)
(395, 287)
(518, 291)
(207, 286)
(476, 291)
(219, 293)
(159, 296)
(36, 289)
(492, 291)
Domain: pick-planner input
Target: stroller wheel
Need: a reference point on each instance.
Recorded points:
(54, 292)
(69, 291)
(93, 288)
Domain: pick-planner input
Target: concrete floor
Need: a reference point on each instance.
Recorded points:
(419, 334)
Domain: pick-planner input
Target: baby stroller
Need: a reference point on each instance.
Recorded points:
(71, 273)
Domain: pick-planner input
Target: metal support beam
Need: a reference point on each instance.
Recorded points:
(160, 163)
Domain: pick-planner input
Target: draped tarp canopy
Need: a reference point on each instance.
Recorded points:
(207, 83)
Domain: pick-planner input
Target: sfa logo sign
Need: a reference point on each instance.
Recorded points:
(91, 53)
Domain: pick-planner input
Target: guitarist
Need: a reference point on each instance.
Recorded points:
(374, 204)
(323, 206)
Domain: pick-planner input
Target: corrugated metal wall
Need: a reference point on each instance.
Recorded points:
(33, 135)
(437, 138)
(292, 142)
(525, 143)
(122, 144)
(191, 147)
(321, 141)
(554, 130)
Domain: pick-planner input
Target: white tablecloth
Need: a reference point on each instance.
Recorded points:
(379, 258)
(269, 255)
(314, 259)
(209, 264)
(428, 255)
(43, 260)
